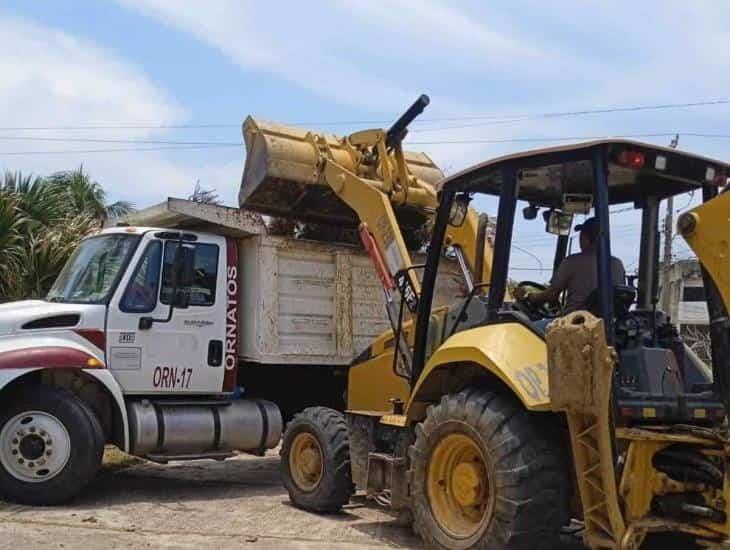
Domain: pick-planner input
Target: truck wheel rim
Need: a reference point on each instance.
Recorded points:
(34, 446)
(459, 488)
(307, 465)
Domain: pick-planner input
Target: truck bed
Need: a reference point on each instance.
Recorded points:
(302, 302)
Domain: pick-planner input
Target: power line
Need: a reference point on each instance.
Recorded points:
(494, 118)
(130, 141)
(525, 251)
(536, 240)
(569, 138)
(119, 150)
(563, 114)
(171, 144)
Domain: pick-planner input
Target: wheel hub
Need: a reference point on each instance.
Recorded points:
(311, 461)
(458, 485)
(305, 461)
(467, 480)
(34, 446)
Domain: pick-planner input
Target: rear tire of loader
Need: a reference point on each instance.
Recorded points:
(315, 460)
(485, 473)
(51, 446)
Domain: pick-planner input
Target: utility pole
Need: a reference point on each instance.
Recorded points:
(668, 226)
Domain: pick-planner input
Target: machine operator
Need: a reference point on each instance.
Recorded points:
(577, 275)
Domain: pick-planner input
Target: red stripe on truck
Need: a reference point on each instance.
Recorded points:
(231, 351)
(95, 336)
(54, 357)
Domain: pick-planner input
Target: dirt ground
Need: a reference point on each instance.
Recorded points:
(231, 504)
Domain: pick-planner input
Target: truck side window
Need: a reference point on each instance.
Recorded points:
(141, 293)
(202, 293)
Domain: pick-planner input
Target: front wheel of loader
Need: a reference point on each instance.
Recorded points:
(315, 460)
(486, 474)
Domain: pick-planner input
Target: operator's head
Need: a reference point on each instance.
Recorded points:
(588, 234)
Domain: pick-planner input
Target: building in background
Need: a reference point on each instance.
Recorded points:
(683, 293)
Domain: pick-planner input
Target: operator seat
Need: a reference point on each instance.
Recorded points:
(623, 297)
(442, 322)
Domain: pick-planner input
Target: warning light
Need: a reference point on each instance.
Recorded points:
(631, 159)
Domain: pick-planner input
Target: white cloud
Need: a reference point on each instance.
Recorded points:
(298, 46)
(376, 56)
(432, 28)
(51, 78)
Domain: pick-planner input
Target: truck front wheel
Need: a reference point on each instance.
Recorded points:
(486, 474)
(51, 446)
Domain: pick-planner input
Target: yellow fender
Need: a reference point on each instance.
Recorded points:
(706, 229)
(510, 351)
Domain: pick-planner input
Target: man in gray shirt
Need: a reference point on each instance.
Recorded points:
(577, 274)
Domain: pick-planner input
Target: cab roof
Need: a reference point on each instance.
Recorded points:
(636, 169)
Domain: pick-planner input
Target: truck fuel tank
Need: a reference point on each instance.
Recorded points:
(283, 175)
(173, 430)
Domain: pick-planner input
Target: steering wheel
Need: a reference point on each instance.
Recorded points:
(548, 310)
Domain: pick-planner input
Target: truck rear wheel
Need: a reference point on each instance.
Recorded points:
(51, 446)
(315, 460)
(485, 475)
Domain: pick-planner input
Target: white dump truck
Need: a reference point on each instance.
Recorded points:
(189, 333)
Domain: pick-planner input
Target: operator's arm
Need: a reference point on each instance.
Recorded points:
(558, 284)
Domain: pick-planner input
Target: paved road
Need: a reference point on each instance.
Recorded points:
(233, 504)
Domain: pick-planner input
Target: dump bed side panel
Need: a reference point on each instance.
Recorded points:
(306, 309)
(313, 303)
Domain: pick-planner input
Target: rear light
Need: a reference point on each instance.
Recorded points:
(631, 159)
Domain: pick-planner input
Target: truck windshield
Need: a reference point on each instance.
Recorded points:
(93, 269)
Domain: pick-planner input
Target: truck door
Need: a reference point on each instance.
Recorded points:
(186, 354)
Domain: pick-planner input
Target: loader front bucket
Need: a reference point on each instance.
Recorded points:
(283, 175)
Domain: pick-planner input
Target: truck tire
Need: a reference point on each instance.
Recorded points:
(315, 460)
(51, 446)
(485, 473)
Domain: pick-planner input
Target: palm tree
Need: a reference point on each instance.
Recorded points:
(47, 250)
(87, 196)
(12, 232)
(41, 202)
(42, 220)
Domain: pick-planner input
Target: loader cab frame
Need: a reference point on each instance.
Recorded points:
(611, 172)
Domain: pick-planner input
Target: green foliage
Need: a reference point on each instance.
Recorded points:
(85, 195)
(42, 221)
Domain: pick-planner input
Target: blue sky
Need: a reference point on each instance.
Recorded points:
(163, 62)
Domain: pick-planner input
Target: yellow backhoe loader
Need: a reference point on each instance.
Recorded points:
(495, 421)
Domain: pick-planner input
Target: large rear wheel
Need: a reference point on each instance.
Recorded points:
(486, 474)
(315, 460)
(51, 445)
